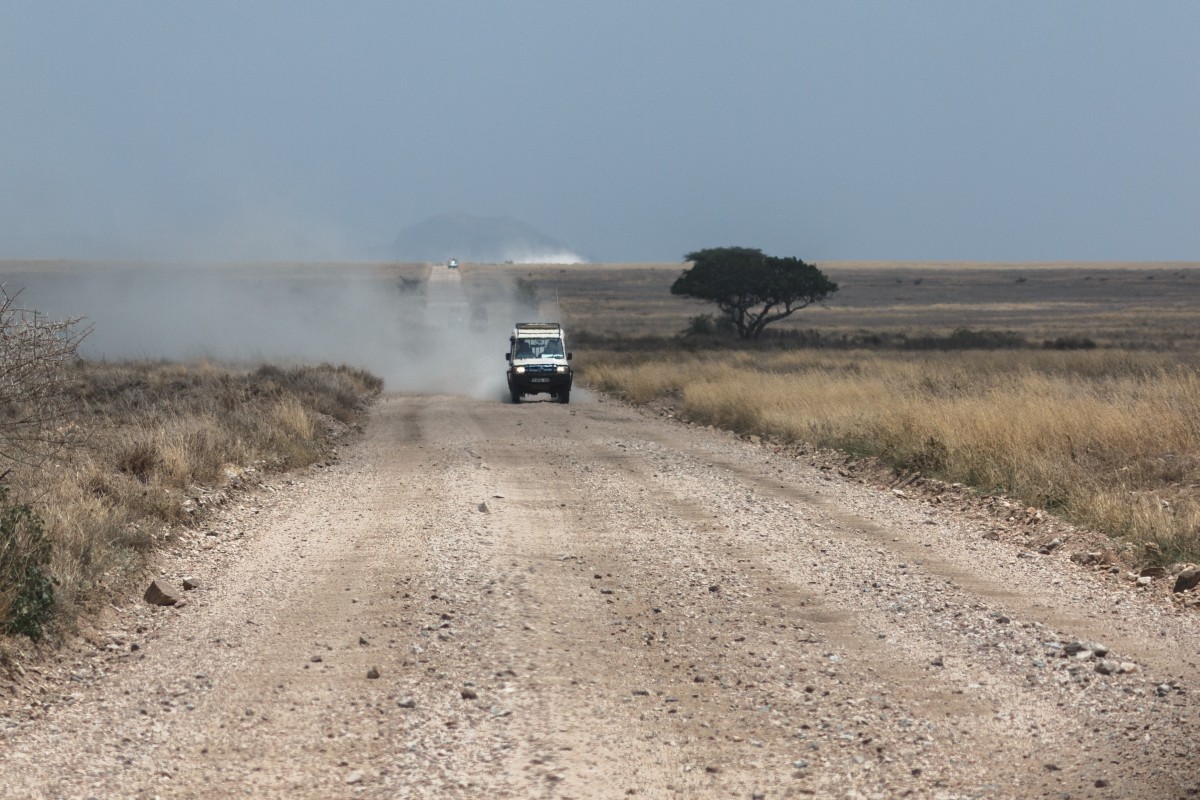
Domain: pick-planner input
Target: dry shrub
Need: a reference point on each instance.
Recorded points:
(1109, 439)
(36, 354)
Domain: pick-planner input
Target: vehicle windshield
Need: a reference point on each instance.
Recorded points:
(539, 348)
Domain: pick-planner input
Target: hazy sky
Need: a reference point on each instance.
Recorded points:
(628, 130)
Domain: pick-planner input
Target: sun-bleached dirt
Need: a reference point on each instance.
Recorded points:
(483, 600)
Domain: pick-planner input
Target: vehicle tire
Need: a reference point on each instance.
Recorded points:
(565, 396)
(515, 395)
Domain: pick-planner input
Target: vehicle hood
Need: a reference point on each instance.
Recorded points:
(527, 362)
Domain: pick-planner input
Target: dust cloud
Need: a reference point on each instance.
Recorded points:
(416, 326)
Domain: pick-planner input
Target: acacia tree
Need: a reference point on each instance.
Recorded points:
(751, 289)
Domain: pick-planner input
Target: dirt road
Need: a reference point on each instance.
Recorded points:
(579, 601)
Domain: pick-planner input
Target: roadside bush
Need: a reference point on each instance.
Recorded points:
(26, 588)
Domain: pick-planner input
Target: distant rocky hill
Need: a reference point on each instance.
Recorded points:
(480, 239)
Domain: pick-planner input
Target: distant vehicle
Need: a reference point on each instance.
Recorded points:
(452, 263)
(537, 361)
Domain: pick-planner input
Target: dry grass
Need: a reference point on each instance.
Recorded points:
(1109, 439)
(151, 437)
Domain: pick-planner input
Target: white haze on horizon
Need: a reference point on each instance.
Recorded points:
(544, 257)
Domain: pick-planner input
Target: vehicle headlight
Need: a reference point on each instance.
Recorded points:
(562, 369)
(519, 370)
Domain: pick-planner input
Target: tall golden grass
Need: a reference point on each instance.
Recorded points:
(1107, 439)
(149, 438)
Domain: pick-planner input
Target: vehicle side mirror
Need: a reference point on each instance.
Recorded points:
(508, 356)
(570, 356)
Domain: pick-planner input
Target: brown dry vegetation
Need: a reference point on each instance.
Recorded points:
(1108, 437)
(151, 441)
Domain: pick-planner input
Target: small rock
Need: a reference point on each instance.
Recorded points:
(1126, 667)
(483, 508)
(156, 595)
(406, 702)
(468, 693)
(1163, 689)
(354, 777)
(373, 673)
(1187, 580)
(1050, 546)
(755, 439)
(190, 583)
(1106, 667)
(315, 659)
(362, 640)
(1145, 580)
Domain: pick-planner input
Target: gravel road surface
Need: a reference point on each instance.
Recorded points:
(493, 601)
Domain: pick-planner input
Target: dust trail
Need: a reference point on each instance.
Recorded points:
(412, 324)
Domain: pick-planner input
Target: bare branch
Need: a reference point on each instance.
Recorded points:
(35, 358)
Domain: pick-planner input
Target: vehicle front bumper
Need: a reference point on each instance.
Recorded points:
(539, 382)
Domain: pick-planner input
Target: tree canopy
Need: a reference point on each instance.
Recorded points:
(750, 288)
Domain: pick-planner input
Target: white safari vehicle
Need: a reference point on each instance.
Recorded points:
(537, 361)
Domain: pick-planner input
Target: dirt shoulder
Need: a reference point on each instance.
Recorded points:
(583, 601)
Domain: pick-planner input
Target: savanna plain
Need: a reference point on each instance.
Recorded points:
(933, 539)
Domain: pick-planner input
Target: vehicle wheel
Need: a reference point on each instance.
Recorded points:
(564, 397)
(516, 396)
